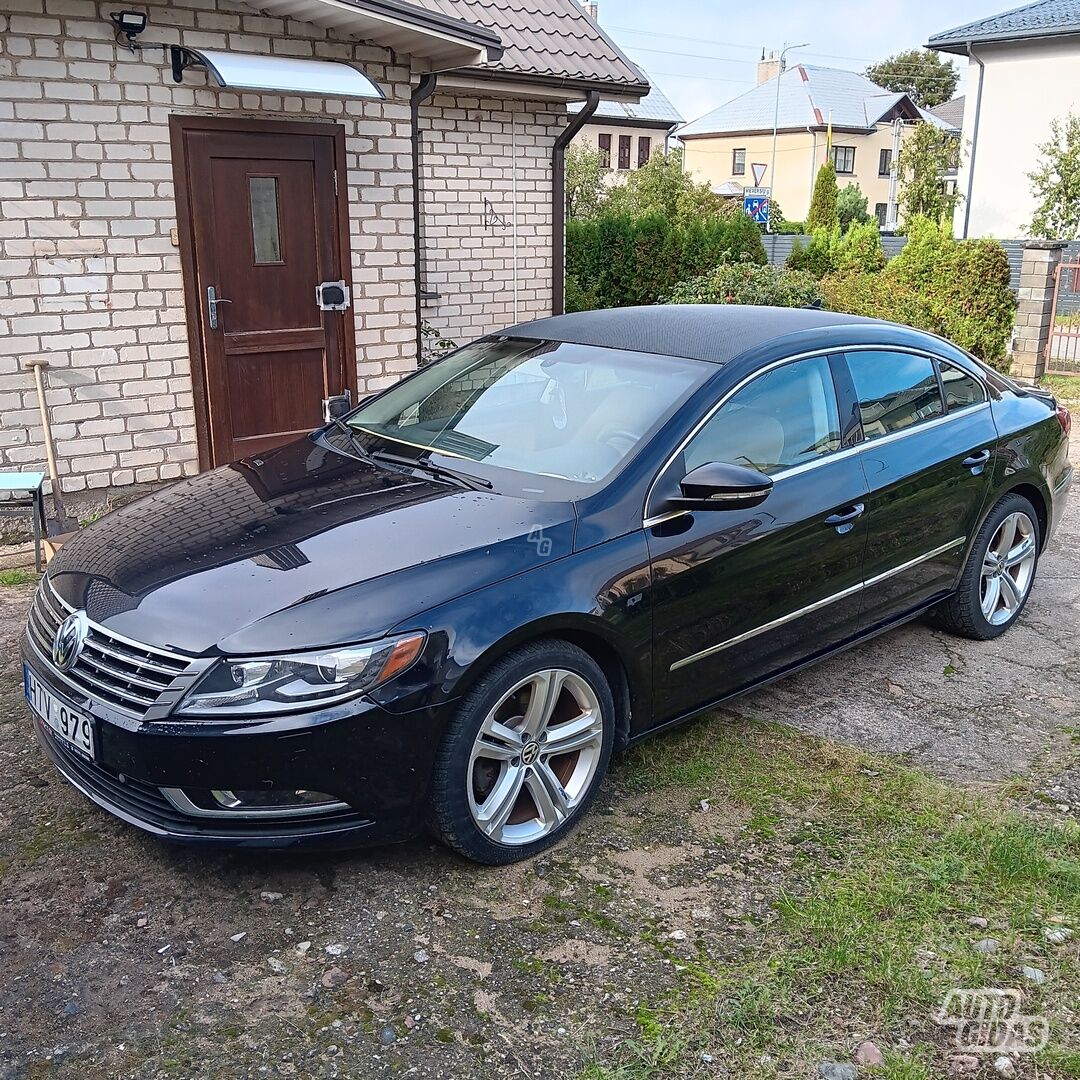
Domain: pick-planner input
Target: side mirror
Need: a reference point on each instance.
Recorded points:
(718, 485)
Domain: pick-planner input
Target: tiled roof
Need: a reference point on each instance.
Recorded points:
(809, 95)
(654, 106)
(550, 39)
(1046, 18)
(951, 113)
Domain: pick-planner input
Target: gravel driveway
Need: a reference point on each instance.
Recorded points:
(122, 957)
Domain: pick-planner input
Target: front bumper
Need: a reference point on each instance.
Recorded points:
(376, 762)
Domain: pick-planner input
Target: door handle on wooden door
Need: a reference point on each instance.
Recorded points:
(212, 301)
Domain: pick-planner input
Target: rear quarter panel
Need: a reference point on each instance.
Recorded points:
(1032, 450)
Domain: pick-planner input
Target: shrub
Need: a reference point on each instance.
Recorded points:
(860, 248)
(957, 289)
(878, 297)
(823, 203)
(747, 283)
(851, 207)
(818, 257)
(616, 260)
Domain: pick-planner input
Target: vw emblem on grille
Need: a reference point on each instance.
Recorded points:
(68, 643)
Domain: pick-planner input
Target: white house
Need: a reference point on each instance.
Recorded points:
(628, 133)
(1023, 71)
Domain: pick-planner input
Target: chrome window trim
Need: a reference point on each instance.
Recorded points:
(851, 590)
(849, 451)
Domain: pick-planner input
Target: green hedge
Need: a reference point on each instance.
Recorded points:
(617, 261)
(959, 289)
(748, 283)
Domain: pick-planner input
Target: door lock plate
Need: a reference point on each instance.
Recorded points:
(332, 296)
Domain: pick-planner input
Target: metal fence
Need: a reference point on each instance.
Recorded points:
(1063, 348)
(778, 248)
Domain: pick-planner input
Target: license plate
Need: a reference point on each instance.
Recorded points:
(69, 724)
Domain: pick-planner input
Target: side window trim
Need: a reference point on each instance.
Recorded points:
(851, 428)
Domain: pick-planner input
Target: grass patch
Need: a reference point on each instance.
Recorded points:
(869, 924)
(18, 576)
(1066, 388)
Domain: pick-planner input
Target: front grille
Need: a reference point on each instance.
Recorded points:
(122, 673)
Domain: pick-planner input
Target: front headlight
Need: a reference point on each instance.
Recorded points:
(297, 681)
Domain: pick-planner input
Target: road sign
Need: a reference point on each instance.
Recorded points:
(756, 203)
(759, 172)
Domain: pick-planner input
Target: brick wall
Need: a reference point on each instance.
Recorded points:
(486, 174)
(89, 275)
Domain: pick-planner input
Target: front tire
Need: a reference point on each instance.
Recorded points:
(525, 754)
(998, 575)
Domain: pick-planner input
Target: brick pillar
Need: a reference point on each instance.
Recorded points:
(1036, 300)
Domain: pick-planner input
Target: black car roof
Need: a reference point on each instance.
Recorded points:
(714, 332)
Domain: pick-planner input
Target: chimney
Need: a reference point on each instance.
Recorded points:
(592, 10)
(768, 67)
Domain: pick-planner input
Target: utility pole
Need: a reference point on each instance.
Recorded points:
(775, 121)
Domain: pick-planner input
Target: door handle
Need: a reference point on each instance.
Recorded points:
(842, 520)
(212, 301)
(977, 461)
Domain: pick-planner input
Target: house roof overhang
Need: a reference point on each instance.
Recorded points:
(435, 41)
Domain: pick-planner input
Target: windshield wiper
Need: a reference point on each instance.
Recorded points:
(350, 433)
(465, 480)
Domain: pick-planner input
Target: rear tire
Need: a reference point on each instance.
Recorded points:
(997, 578)
(525, 754)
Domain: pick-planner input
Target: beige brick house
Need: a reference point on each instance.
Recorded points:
(251, 208)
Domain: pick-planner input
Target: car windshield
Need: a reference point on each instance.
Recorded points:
(544, 408)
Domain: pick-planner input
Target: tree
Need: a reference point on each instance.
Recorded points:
(661, 186)
(823, 204)
(925, 76)
(584, 181)
(1055, 182)
(926, 155)
(851, 207)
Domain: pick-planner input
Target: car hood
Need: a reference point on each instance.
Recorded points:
(302, 547)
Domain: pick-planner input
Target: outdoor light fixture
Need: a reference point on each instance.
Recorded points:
(129, 23)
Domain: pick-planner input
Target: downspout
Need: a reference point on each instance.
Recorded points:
(424, 89)
(558, 200)
(974, 139)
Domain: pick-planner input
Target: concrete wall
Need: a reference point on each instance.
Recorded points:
(799, 155)
(1025, 87)
(89, 273)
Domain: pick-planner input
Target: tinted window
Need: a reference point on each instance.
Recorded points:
(961, 389)
(895, 390)
(783, 418)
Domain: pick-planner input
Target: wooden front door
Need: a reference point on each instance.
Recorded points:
(262, 229)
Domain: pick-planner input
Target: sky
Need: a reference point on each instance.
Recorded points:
(703, 54)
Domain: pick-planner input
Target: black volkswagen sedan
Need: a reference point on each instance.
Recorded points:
(449, 607)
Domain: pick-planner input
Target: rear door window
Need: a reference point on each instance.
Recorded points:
(961, 389)
(896, 390)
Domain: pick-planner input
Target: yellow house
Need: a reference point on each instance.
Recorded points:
(732, 146)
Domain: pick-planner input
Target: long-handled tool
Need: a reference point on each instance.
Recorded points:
(61, 523)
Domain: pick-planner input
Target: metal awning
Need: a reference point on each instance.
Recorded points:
(439, 41)
(249, 71)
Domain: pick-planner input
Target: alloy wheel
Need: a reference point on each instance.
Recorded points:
(535, 756)
(1008, 568)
